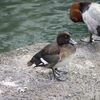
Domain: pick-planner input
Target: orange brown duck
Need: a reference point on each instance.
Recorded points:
(89, 13)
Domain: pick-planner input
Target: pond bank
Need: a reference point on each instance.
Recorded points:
(20, 82)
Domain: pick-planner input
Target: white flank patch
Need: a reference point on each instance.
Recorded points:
(34, 65)
(45, 62)
(11, 84)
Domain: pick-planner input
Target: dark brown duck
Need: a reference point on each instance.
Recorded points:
(54, 53)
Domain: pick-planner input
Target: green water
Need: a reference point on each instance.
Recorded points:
(25, 22)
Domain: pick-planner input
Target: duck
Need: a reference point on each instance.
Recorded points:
(55, 53)
(88, 13)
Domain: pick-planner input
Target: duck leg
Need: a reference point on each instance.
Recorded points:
(91, 39)
(59, 75)
(59, 71)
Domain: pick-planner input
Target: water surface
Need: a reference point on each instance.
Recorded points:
(25, 22)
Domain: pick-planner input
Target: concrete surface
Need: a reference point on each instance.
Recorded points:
(20, 82)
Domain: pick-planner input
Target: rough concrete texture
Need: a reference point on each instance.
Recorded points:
(20, 82)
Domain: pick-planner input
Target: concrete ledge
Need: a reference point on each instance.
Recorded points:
(20, 82)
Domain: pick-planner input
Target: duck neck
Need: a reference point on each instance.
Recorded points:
(61, 45)
(84, 6)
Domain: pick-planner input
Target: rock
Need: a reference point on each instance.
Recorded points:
(20, 82)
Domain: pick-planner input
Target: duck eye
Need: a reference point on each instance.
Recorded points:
(65, 36)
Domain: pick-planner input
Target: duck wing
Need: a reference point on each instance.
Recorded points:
(50, 53)
(50, 49)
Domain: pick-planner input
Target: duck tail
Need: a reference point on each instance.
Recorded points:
(31, 62)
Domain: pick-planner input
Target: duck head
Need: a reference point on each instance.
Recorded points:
(77, 9)
(65, 38)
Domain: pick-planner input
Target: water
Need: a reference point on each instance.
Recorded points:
(25, 22)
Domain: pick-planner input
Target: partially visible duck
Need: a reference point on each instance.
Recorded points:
(89, 13)
(54, 53)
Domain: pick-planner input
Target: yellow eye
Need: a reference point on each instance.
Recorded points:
(65, 36)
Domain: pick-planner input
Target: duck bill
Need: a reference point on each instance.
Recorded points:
(73, 42)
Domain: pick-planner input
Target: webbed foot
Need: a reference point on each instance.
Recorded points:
(59, 75)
